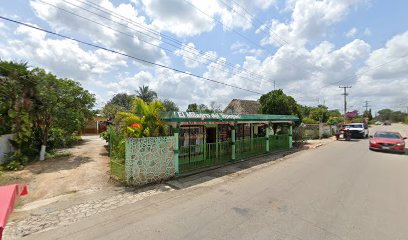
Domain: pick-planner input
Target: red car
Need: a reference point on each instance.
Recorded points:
(389, 141)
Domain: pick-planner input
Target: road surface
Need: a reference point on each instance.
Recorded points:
(338, 191)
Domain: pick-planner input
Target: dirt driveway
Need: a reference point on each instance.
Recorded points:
(86, 169)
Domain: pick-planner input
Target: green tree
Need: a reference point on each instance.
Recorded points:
(60, 103)
(384, 115)
(276, 102)
(143, 120)
(334, 113)
(146, 94)
(122, 100)
(319, 113)
(193, 107)
(16, 102)
(111, 110)
(170, 106)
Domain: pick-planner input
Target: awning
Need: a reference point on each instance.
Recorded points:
(9, 196)
(177, 117)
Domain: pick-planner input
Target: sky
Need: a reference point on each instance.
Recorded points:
(308, 48)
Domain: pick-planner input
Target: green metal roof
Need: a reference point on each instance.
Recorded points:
(224, 117)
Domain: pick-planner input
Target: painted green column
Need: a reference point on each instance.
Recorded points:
(267, 138)
(233, 144)
(290, 136)
(176, 149)
(251, 126)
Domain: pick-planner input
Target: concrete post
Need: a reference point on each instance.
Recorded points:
(251, 126)
(290, 136)
(176, 149)
(233, 144)
(267, 138)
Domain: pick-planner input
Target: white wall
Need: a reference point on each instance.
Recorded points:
(5, 146)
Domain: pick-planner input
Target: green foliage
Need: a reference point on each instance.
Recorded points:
(307, 120)
(335, 120)
(146, 116)
(358, 120)
(14, 161)
(110, 110)
(390, 115)
(334, 113)
(319, 113)
(202, 108)
(276, 102)
(170, 106)
(146, 94)
(406, 120)
(35, 105)
(122, 100)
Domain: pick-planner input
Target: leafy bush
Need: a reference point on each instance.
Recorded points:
(335, 120)
(14, 161)
(308, 120)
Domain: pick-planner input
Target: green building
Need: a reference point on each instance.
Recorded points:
(209, 139)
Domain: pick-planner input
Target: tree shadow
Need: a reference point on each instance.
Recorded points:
(57, 164)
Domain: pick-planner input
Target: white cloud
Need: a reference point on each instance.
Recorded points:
(193, 17)
(243, 48)
(352, 33)
(309, 21)
(193, 57)
(129, 38)
(63, 57)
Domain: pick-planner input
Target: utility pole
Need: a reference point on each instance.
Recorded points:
(274, 85)
(345, 100)
(366, 106)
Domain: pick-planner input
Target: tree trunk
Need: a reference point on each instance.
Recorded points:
(44, 143)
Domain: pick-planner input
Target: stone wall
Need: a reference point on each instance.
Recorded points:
(150, 160)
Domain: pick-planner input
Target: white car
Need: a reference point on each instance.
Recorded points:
(358, 130)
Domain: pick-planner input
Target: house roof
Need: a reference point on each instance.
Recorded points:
(178, 117)
(241, 106)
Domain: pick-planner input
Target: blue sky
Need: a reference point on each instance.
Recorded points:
(322, 44)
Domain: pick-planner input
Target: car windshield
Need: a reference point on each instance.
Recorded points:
(387, 135)
(353, 126)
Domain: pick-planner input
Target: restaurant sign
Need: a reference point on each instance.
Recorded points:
(208, 116)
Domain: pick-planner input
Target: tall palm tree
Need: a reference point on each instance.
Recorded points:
(143, 120)
(146, 94)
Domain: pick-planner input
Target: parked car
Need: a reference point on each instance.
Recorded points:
(357, 130)
(387, 141)
(387, 122)
(378, 123)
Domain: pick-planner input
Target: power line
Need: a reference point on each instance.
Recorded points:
(179, 45)
(132, 36)
(126, 55)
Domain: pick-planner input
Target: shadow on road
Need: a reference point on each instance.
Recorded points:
(209, 174)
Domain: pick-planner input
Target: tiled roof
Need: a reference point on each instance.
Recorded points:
(240, 106)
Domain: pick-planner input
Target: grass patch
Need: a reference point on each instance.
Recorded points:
(8, 178)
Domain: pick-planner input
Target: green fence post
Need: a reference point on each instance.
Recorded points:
(290, 136)
(176, 149)
(251, 126)
(233, 143)
(267, 138)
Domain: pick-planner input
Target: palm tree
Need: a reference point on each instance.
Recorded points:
(143, 120)
(146, 94)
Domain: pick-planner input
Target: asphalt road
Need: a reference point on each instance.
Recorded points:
(338, 191)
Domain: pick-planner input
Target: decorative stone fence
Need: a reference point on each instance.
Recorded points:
(150, 160)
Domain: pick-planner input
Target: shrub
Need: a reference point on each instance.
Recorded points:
(308, 120)
(14, 161)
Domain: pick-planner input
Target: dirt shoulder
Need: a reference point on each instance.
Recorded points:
(87, 168)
